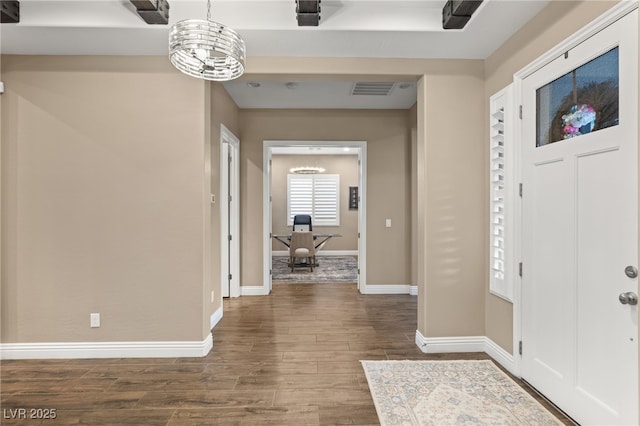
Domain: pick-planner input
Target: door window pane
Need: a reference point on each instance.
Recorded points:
(582, 101)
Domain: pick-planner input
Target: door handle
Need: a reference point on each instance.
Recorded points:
(628, 298)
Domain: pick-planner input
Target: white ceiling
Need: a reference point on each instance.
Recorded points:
(348, 28)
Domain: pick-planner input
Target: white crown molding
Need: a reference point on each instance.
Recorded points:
(77, 350)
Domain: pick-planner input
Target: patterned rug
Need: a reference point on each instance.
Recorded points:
(330, 269)
(450, 393)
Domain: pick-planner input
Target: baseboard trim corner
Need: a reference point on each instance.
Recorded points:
(467, 344)
(501, 356)
(434, 345)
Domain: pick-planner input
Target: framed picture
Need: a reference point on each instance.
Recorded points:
(353, 198)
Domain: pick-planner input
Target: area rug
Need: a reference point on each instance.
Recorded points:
(330, 269)
(450, 393)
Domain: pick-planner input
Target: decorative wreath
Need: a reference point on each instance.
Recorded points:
(580, 119)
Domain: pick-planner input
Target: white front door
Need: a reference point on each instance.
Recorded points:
(579, 227)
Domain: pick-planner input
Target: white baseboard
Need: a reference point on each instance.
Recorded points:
(386, 289)
(77, 350)
(434, 345)
(501, 356)
(467, 344)
(215, 318)
(414, 290)
(320, 253)
(253, 290)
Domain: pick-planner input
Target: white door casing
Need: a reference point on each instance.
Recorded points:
(361, 148)
(579, 232)
(229, 213)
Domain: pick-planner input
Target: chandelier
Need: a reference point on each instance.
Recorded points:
(306, 170)
(206, 49)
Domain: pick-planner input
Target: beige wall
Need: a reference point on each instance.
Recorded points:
(107, 167)
(388, 181)
(102, 200)
(447, 148)
(346, 166)
(455, 214)
(556, 22)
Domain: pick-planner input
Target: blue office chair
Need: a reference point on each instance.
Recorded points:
(302, 223)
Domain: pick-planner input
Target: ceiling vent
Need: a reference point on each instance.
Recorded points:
(369, 88)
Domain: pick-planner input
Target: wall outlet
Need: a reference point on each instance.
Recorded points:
(387, 223)
(94, 320)
(213, 296)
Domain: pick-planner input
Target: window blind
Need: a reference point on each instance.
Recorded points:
(317, 195)
(501, 194)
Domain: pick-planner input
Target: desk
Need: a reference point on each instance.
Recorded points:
(323, 238)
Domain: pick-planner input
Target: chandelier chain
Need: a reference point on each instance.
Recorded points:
(208, 10)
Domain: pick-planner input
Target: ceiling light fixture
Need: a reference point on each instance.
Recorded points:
(206, 49)
(306, 170)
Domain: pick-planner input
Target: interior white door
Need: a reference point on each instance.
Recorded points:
(230, 213)
(225, 218)
(579, 227)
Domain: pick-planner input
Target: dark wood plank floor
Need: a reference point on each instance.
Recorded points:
(291, 358)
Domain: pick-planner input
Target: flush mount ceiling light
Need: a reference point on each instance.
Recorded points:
(206, 49)
(306, 170)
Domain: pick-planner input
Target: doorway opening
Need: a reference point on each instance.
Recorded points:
(311, 148)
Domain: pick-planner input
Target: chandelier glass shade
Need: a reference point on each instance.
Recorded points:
(206, 49)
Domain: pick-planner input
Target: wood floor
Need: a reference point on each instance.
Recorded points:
(291, 358)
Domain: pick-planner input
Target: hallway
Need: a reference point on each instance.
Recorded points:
(291, 358)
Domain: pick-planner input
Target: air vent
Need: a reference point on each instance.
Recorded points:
(368, 88)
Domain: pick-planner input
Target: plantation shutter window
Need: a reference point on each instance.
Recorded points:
(501, 193)
(315, 195)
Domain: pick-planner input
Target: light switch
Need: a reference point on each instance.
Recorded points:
(388, 223)
(94, 320)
